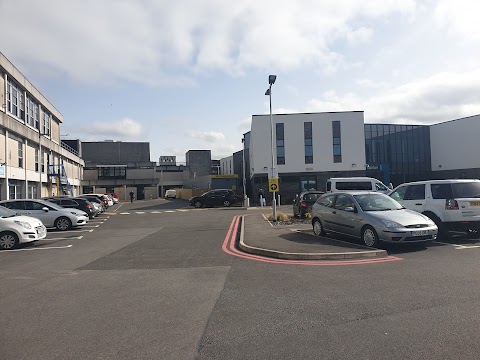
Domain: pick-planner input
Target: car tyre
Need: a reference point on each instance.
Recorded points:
(63, 223)
(226, 203)
(8, 241)
(197, 204)
(370, 236)
(442, 229)
(318, 228)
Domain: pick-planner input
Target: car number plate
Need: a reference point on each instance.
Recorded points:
(474, 203)
(419, 232)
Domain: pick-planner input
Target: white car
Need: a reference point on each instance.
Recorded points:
(170, 194)
(16, 229)
(51, 215)
(452, 204)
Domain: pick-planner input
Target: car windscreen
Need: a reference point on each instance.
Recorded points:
(4, 212)
(377, 202)
(466, 190)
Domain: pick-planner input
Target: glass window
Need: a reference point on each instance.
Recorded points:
(280, 141)
(20, 155)
(36, 160)
(307, 135)
(326, 200)
(466, 190)
(343, 201)
(337, 142)
(15, 205)
(399, 194)
(415, 192)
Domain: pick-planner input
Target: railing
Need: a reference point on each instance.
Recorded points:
(69, 148)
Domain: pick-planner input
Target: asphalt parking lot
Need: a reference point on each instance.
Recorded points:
(157, 279)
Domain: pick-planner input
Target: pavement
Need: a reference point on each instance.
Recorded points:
(259, 236)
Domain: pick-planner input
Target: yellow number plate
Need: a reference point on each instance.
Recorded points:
(474, 203)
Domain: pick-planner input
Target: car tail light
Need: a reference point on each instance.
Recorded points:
(451, 204)
(303, 204)
(89, 206)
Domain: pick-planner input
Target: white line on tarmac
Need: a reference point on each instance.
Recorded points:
(70, 231)
(183, 210)
(89, 226)
(139, 212)
(169, 211)
(69, 238)
(118, 207)
(156, 212)
(38, 248)
(125, 213)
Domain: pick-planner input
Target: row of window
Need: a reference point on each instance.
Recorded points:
(308, 142)
(22, 106)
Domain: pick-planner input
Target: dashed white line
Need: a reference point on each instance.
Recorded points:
(125, 213)
(156, 212)
(183, 210)
(89, 226)
(170, 211)
(139, 212)
(70, 238)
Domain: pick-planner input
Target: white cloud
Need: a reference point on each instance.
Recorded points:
(170, 42)
(207, 136)
(123, 129)
(429, 100)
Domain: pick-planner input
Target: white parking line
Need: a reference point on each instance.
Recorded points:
(118, 207)
(89, 226)
(70, 231)
(38, 248)
(169, 211)
(183, 210)
(125, 213)
(156, 212)
(139, 212)
(458, 246)
(69, 238)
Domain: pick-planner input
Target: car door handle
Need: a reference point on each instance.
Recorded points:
(419, 204)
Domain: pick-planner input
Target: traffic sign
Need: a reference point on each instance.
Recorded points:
(273, 185)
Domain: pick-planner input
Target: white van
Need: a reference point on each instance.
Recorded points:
(171, 194)
(356, 183)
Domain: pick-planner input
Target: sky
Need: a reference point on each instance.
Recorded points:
(189, 74)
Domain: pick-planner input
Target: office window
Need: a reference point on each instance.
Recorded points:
(112, 173)
(337, 142)
(280, 144)
(14, 97)
(36, 160)
(32, 112)
(46, 123)
(20, 155)
(307, 135)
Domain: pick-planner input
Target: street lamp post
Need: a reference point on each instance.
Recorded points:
(271, 81)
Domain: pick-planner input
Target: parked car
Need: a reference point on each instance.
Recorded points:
(114, 198)
(96, 202)
(77, 203)
(372, 217)
(51, 215)
(303, 203)
(356, 183)
(451, 204)
(224, 197)
(106, 201)
(171, 194)
(17, 229)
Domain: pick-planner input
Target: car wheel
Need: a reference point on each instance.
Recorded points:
(63, 223)
(8, 241)
(369, 236)
(442, 229)
(226, 203)
(197, 204)
(318, 228)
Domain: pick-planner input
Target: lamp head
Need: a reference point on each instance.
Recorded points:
(271, 79)
(267, 92)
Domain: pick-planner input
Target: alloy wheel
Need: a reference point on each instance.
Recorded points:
(7, 241)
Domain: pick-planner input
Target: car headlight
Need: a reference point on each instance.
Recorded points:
(24, 224)
(76, 213)
(391, 224)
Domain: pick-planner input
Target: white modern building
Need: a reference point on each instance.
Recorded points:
(33, 160)
(226, 166)
(308, 149)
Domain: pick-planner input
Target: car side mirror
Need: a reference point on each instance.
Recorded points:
(350, 209)
(45, 209)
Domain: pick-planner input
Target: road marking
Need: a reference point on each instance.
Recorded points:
(70, 231)
(139, 212)
(118, 207)
(461, 247)
(89, 226)
(125, 213)
(170, 211)
(183, 210)
(69, 238)
(38, 248)
(156, 212)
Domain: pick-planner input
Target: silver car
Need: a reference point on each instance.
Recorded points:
(51, 215)
(373, 217)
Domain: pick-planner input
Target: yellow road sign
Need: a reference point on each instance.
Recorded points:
(273, 185)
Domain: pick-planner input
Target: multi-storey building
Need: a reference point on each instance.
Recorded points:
(33, 160)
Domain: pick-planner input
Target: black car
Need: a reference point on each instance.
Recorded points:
(223, 197)
(77, 203)
(304, 202)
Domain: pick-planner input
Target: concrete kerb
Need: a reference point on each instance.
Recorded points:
(368, 254)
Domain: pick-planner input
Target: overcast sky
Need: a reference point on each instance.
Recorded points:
(188, 74)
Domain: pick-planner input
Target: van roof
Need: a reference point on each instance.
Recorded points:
(354, 178)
